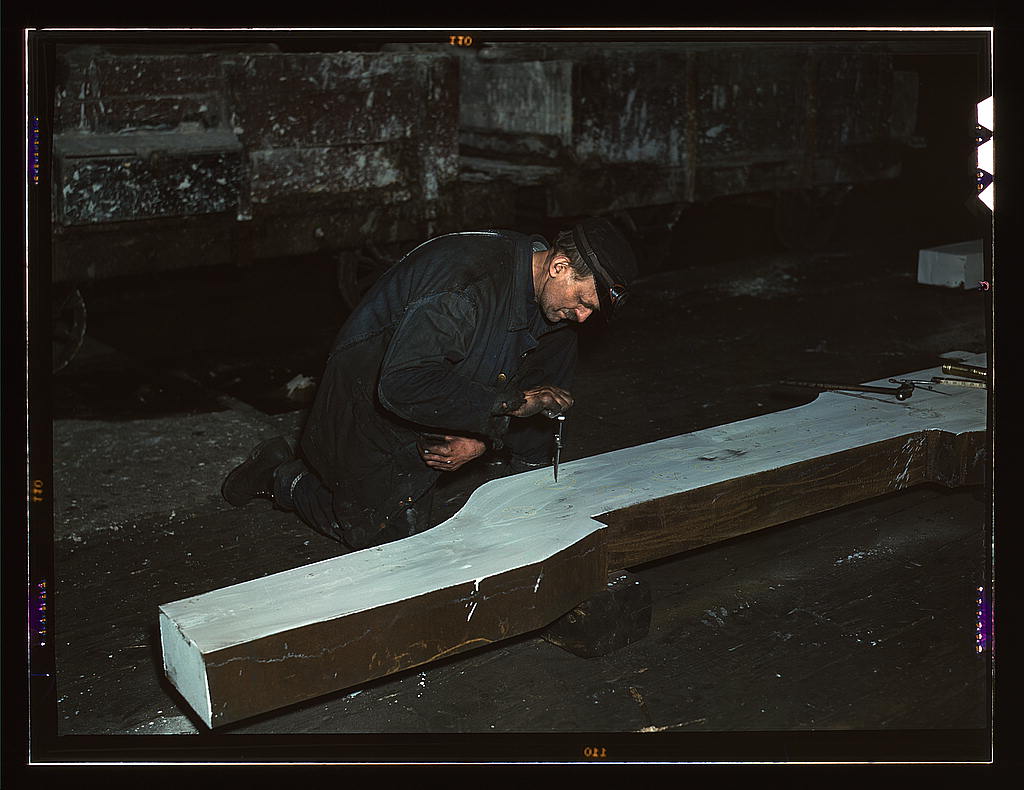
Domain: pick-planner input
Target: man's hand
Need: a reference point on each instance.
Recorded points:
(547, 399)
(448, 453)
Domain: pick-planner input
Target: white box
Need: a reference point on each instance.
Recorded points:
(960, 265)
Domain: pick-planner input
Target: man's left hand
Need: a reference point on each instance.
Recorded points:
(448, 453)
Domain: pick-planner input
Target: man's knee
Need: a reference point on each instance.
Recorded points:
(329, 512)
(363, 527)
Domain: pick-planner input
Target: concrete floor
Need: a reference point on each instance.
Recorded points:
(857, 624)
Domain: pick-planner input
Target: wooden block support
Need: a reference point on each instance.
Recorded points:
(617, 616)
(525, 550)
(960, 265)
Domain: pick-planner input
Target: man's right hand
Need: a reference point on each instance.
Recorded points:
(550, 400)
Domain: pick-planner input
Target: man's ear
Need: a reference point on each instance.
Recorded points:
(559, 265)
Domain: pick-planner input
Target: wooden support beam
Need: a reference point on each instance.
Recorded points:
(524, 549)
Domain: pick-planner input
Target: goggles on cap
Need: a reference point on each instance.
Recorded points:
(613, 294)
(617, 295)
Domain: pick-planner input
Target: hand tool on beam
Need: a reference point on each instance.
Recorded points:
(558, 442)
(902, 392)
(975, 372)
(560, 421)
(941, 380)
(923, 384)
(960, 382)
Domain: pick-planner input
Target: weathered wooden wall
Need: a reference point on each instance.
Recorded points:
(281, 153)
(648, 124)
(169, 159)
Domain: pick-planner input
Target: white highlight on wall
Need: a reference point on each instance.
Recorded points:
(986, 156)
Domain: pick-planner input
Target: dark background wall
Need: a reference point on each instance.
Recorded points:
(185, 366)
(297, 146)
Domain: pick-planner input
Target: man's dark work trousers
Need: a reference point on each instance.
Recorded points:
(298, 489)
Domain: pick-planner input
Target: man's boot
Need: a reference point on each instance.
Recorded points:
(254, 477)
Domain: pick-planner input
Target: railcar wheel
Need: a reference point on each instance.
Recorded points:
(68, 321)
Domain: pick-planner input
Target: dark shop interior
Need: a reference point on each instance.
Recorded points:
(790, 415)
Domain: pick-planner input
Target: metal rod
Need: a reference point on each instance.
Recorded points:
(901, 392)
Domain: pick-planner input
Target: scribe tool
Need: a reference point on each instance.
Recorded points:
(558, 442)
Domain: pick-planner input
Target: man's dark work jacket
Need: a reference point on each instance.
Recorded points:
(445, 342)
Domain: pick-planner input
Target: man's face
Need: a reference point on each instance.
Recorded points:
(565, 298)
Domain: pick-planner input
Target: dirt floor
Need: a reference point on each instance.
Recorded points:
(856, 627)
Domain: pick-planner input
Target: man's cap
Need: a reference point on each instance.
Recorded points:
(610, 257)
